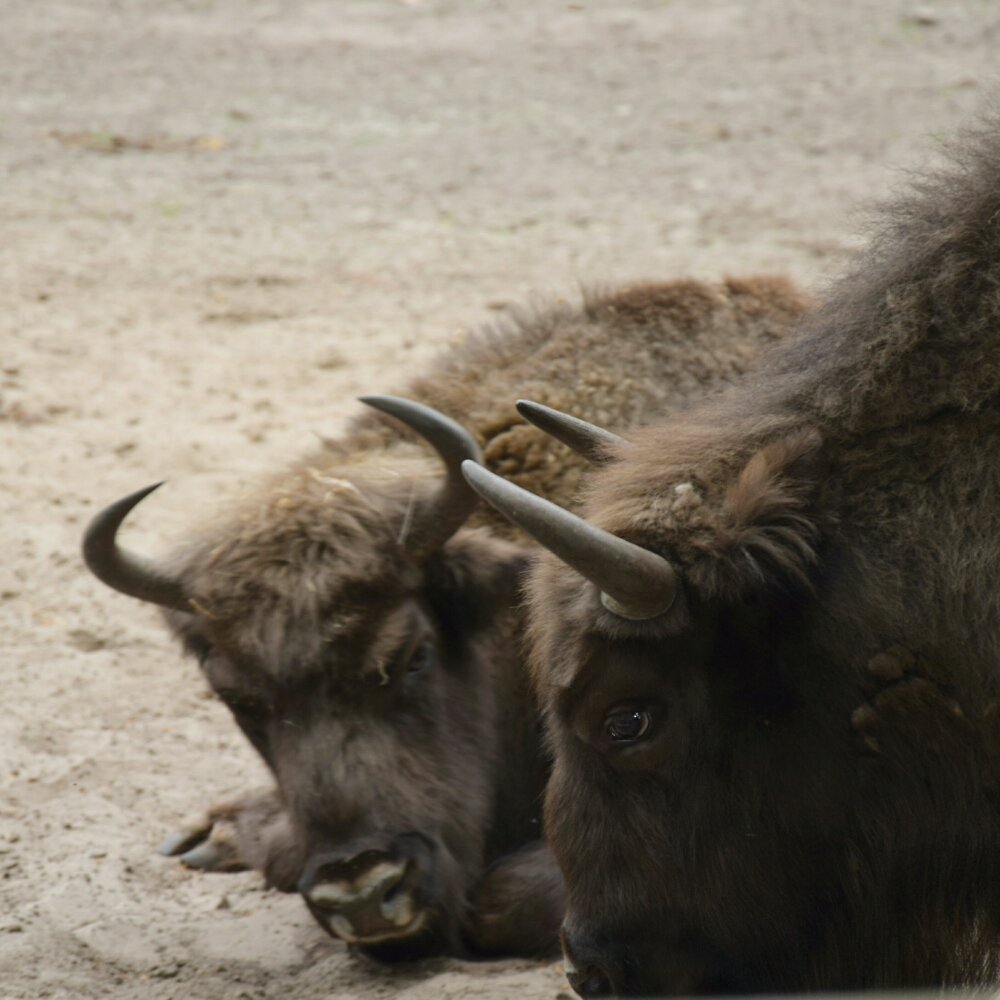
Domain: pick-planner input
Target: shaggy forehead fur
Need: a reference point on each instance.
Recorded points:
(305, 562)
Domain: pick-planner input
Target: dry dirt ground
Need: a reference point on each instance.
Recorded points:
(221, 220)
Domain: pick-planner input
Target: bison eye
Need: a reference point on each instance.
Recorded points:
(627, 725)
(422, 658)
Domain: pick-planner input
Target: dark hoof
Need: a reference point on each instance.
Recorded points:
(217, 854)
(182, 841)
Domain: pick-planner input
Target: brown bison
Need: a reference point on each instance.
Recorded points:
(362, 622)
(771, 667)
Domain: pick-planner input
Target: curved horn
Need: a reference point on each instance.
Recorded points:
(431, 525)
(635, 583)
(122, 570)
(585, 439)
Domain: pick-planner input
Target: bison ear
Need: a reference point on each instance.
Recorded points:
(472, 578)
(770, 523)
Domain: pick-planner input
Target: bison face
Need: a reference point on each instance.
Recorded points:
(747, 794)
(699, 798)
(384, 720)
(371, 658)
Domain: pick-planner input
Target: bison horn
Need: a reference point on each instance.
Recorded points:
(593, 442)
(429, 527)
(122, 570)
(634, 582)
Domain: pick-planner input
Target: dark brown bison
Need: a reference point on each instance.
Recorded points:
(362, 622)
(772, 673)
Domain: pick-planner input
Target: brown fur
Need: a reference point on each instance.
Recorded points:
(797, 819)
(622, 359)
(308, 608)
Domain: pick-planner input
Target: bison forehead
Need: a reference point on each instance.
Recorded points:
(274, 651)
(307, 543)
(291, 578)
(303, 627)
(570, 630)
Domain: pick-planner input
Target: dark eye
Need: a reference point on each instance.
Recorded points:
(627, 725)
(422, 659)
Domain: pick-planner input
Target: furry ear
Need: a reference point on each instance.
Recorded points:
(768, 525)
(472, 578)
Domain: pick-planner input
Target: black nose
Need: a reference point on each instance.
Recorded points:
(368, 892)
(586, 967)
(590, 981)
(364, 897)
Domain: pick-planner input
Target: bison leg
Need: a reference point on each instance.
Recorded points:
(250, 832)
(517, 907)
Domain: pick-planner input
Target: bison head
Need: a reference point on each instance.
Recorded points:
(367, 652)
(721, 822)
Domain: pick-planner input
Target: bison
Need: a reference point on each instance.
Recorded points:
(769, 656)
(362, 621)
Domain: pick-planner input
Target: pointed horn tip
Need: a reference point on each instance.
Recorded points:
(392, 405)
(531, 410)
(387, 403)
(146, 490)
(121, 570)
(587, 439)
(114, 513)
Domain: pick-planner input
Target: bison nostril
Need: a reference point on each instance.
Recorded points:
(352, 868)
(377, 882)
(397, 903)
(590, 981)
(584, 974)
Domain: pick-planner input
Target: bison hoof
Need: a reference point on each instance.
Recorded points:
(205, 846)
(212, 856)
(181, 841)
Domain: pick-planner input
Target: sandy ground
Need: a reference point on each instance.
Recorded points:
(220, 220)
